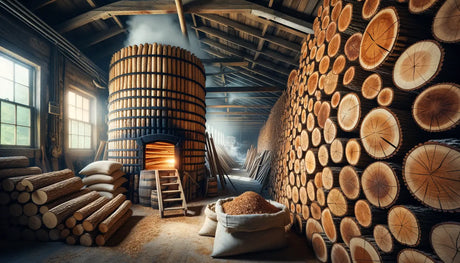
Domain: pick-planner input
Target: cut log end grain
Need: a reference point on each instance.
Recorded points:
(319, 247)
(321, 36)
(420, 6)
(311, 190)
(334, 45)
(329, 131)
(380, 184)
(303, 196)
(335, 99)
(312, 226)
(363, 251)
(337, 202)
(320, 52)
(418, 65)
(349, 228)
(328, 225)
(371, 86)
(56, 190)
(379, 38)
(345, 17)
(41, 180)
(404, 226)
(444, 240)
(363, 213)
(370, 8)
(323, 155)
(446, 24)
(385, 97)
(291, 79)
(349, 112)
(352, 46)
(383, 238)
(410, 255)
(312, 83)
(353, 151)
(330, 31)
(380, 133)
(337, 151)
(323, 114)
(304, 140)
(340, 254)
(434, 168)
(330, 83)
(348, 76)
(315, 210)
(339, 64)
(315, 139)
(323, 66)
(336, 11)
(321, 196)
(438, 107)
(349, 182)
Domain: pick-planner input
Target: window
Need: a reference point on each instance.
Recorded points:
(79, 124)
(16, 103)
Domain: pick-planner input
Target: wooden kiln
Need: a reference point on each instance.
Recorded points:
(157, 112)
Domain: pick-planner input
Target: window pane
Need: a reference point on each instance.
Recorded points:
(85, 104)
(81, 142)
(71, 98)
(7, 113)
(21, 94)
(7, 92)
(72, 112)
(74, 141)
(6, 68)
(7, 134)
(79, 101)
(81, 128)
(23, 117)
(23, 135)
(79, 115)
(87, 142)
(85, 116)
(21, 75)
(87, 130)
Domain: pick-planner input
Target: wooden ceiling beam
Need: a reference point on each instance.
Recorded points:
(235, 62)
(104, 35)
(252, 31)
(239, 106)
(242, 89)
(273, 24)
(182, 22)
(139, 7)
(37, 4)
(245, 44)
(242, 113)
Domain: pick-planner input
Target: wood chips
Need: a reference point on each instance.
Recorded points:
(249, 203)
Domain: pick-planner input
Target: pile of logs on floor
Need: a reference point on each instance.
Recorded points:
(369, 159)
(53, 206)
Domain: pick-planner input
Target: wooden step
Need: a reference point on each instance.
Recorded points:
(172, 200)
(175, 183)
(170, 191)
(174, 208)
(168, 177)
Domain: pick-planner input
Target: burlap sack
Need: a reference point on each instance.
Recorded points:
(210, 221)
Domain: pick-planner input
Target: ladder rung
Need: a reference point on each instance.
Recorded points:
(175, 183)
(174, 208)
(167, 177)
(170, 191)
(172, 199)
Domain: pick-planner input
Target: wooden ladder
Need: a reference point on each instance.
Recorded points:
(170, 181)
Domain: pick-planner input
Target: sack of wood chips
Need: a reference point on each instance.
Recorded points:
(210, 222)
(101, 167)
(249, 231)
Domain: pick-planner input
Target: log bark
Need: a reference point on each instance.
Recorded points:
(12, 172)
(103, 238)
(46, 207)
(38, 181)
(54, 191)
(91, 222)
(87, 210)
(433, 167)
(380, 184)
(438, 107)
(418, 65)
(59, 213)
(13, 162)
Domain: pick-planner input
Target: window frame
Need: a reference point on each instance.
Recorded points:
(32, 103)
(92, 119)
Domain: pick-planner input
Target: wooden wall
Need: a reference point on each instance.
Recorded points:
(55, 76)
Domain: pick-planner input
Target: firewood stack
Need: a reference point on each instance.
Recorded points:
(368, 161)
(53, 206)
(105, 177)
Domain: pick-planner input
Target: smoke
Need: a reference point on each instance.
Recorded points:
(162, 29)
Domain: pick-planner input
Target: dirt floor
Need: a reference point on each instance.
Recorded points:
(147, 238)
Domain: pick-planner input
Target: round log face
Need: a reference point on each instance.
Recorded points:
(353, 151)
(431, 174)
(417, 65)
(349, 112)
(404, 226)
(371, 86)
(329, 131)
(420, 6)
(382, 237)
(337, 202)
(379, 38)
(345, 17)
(349, 229)
(349, 182)
(336, 151)
(446, 24)
(385, 97)
(312, 226)
(363, 251)
(339, 254)
(380, 133)
(363, 213)
(328, 225)
(349, 75)
(438, 107)
(380, 184)
(352, 46)
(291, 79)
(369, 8)
(444, 240)
(319, 246)
(410, 255)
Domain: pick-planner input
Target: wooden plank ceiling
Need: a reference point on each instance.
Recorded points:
(251, 46)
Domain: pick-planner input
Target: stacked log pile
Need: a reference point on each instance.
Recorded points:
(53, 206)
(368, 162)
